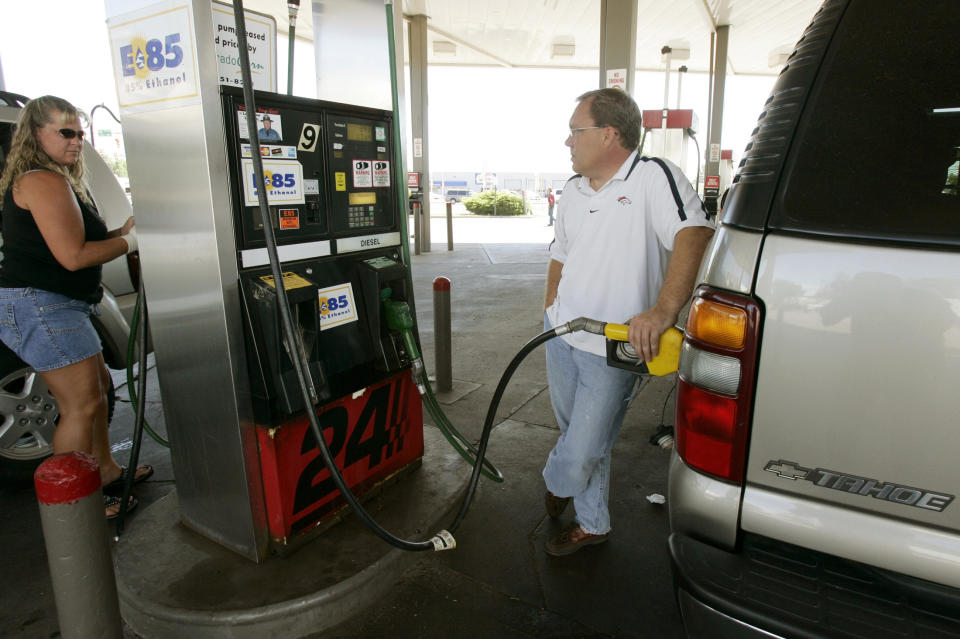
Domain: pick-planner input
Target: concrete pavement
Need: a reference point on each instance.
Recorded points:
(498, 582)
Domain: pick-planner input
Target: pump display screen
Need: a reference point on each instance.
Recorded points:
(367, 197)
(359, 132)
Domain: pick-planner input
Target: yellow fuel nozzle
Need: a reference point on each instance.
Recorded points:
(616, 331)
(668, 357)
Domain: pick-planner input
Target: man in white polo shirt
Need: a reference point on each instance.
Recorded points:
(630, 233)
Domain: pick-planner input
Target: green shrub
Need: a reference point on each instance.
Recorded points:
(494, 203)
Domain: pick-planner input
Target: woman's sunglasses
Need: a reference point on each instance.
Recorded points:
(69, 134)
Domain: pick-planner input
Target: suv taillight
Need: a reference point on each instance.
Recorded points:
(715, 388)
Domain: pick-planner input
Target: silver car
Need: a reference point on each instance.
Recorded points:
(28, 413)
(813, 490)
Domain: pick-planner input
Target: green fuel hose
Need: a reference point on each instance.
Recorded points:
(400, 319)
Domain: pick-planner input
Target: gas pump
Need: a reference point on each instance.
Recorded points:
(415, 204)
(415, 190)
(714, 186)
(667, 132)
(330, 183)
(249, 474)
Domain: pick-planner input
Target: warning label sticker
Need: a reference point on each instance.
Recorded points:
(289, 219)
(362, 174)
(291, 280)
(381, 173)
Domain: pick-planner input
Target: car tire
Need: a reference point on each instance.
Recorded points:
(28, 417)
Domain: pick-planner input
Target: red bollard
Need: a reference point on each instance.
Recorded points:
(78, 551)
(441, 333)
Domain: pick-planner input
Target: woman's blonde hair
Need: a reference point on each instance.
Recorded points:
(26, 153)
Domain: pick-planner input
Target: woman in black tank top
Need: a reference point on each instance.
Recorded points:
(54, 243)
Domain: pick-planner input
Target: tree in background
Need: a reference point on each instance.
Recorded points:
(494, 203)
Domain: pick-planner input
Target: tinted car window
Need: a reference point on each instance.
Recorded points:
(877, 149)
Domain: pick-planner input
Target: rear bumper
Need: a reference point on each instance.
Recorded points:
(703, 622)
(772, 589)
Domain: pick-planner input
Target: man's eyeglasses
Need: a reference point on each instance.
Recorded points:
(573, 132)
(69, 134)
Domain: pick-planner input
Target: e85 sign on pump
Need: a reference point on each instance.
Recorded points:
(154, 59)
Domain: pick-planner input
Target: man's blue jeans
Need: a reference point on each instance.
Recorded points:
(589, 400)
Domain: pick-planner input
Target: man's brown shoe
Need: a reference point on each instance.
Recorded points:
(571, 539)
(555, 505)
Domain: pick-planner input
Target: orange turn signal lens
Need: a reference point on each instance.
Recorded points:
(717, 324)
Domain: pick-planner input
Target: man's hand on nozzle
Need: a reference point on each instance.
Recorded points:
(645, 331)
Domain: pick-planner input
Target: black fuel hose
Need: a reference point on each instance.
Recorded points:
(139, 310)
(491, 415)
(140, 409)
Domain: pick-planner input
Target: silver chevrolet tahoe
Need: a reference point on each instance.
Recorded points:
(813, 491)
(28, 413)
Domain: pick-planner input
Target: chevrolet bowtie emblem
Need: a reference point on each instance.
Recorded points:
(787, 469)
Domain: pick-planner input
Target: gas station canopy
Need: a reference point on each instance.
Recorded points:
(566, 33)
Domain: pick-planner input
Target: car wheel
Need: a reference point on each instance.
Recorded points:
(28, 416)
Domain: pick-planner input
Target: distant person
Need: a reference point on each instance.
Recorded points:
(551, 201)
(267, 132)
(629, 239)
(54, 245)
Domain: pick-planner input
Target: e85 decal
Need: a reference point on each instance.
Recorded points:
(276, 180)
(142, 56)
(328, 304)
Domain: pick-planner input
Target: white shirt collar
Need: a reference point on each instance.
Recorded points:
(621, 174)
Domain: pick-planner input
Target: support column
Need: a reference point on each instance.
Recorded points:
(418, 116)
(618, 43)
(712, 159)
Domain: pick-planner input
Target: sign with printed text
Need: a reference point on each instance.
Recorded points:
(413, 180)
(714, 152)
(154, 57)
(381, 173)
(283, 180)
(289, 219)
(291, 281)
(362, 174)
(712, 182)
(261, 47)
(336, 306)
(371, 435)
(617, 79)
